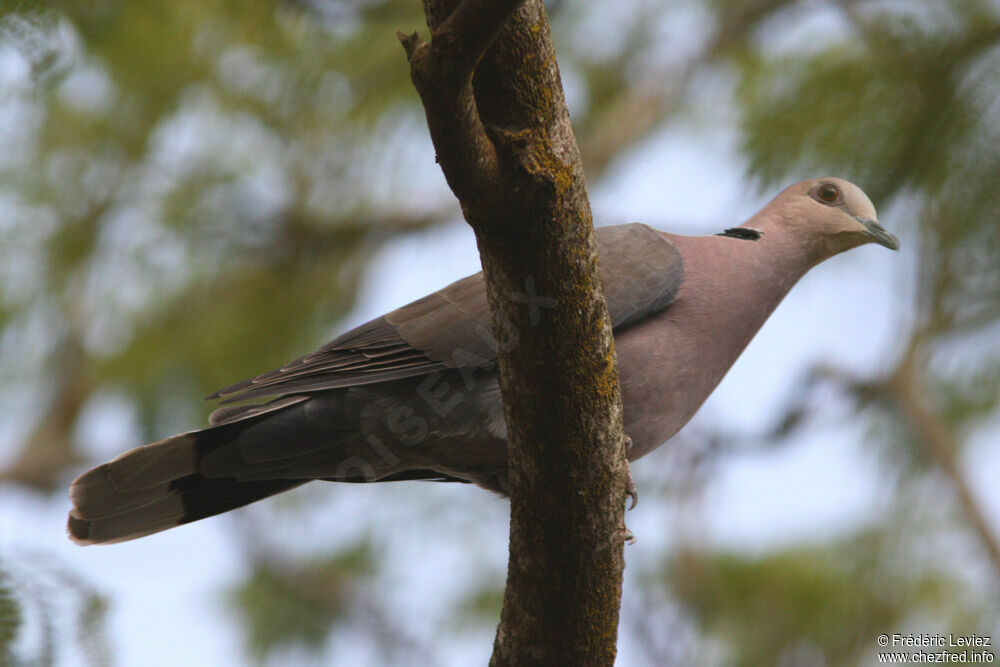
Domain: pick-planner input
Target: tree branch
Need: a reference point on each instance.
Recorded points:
(442, 73)
(506, 147)
(932, 430)
(901, 389)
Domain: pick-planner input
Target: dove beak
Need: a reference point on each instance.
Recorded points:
(878, 233)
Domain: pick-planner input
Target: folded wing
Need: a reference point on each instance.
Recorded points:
(641, 271)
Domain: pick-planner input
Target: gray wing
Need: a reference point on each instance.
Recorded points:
(642, 272)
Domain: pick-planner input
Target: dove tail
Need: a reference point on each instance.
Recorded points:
(249, 453)
(159, 486)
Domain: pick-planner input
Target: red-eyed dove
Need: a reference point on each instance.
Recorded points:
(414, 395)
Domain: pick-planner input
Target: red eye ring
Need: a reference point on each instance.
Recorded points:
(828, 193)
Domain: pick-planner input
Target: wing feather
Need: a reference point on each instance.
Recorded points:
(641, 269)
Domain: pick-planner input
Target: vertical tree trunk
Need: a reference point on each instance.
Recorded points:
(490, 85)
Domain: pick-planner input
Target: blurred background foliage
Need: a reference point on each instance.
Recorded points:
(190, 191)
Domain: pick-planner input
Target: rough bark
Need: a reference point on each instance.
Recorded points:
(490, 86)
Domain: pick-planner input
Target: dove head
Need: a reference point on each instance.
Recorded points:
(828, 216)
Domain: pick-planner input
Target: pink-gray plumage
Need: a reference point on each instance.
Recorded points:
(414, 395)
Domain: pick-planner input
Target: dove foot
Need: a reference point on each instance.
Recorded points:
(630, 489)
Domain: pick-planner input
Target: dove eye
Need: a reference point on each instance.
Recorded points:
(827, 193)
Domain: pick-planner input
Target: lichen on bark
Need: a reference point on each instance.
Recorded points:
(490, 86)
